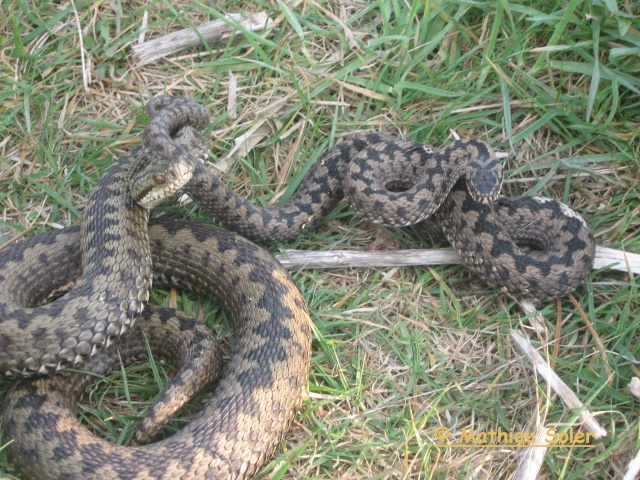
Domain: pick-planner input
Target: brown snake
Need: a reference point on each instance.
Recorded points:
(490, 237)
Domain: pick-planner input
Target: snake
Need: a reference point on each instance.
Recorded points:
(528, 247)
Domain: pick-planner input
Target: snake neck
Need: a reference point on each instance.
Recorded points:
(318, 193)
(172, 142)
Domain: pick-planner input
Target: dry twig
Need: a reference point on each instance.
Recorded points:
(215, 31)
(633, 469)
(530, 459)
(557, 385)
(615, 259)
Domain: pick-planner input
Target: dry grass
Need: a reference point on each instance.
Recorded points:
(398, 352)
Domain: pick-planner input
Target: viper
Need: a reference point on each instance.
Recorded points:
(529, 247)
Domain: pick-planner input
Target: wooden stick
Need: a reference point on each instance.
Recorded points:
(633, 469)
(615, 259)
(357, 259)
(634, 465)
(624, 261)
(215, 31)
(557, 385)
(634, 387)
(530, 460)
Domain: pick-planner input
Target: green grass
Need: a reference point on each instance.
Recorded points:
(397, 352)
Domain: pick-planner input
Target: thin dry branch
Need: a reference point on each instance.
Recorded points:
(605, 257)
(633, 469)
(210, 32)
(557, 385)
(634, 387)
(530, 459)
(634, 465)
(358, 259)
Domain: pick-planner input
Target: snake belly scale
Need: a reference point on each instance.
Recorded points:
(426, 182)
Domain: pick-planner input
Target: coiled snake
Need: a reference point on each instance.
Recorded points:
(266, 379)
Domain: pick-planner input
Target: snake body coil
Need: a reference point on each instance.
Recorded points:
(399, 183)
(117, 271)
(253, 404)
(508, 243)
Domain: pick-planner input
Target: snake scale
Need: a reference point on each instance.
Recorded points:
(529, 247)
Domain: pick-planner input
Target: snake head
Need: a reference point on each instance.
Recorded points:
(160, 180)
(484, 176)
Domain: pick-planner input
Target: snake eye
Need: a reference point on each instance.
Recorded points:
(159, 179)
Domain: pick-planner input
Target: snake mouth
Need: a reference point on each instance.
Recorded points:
(488, 197)
(139, 195)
